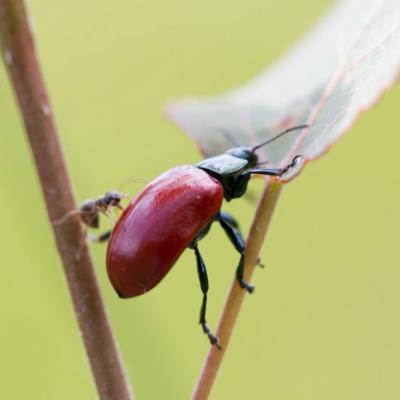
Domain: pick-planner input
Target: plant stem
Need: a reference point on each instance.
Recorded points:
(236, 294)
(24, 72)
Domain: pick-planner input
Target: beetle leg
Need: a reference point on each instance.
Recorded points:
(239, 187)
(274, 171)
(265, 171)
(201, 270)
(228, 218)
(231, 228)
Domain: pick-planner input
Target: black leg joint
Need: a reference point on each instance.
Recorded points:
(231, 228)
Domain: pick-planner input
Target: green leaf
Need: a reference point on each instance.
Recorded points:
(339, 69)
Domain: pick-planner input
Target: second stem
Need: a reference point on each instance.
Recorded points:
(236, 294)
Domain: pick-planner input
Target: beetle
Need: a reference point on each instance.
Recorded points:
(174, 212)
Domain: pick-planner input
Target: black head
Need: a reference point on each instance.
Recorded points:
(245, 153)
(234, 168)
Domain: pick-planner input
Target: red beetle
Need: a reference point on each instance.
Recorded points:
(173, 213)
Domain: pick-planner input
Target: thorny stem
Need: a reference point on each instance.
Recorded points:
(24, 72)
(236, 294)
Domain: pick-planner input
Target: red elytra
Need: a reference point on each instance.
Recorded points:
(158, 225)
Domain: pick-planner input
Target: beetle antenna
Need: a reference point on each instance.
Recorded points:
(293, 128)
(230, 137)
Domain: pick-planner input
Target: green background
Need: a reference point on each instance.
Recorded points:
(324, 321)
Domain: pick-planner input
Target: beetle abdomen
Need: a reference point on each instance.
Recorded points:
(158, 225)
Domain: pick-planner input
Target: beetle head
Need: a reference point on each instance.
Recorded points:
(244, 153)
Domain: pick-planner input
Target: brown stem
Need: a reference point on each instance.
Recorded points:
(236, 294)
(24, 72)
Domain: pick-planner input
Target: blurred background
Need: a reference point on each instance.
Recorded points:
(324, 321)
